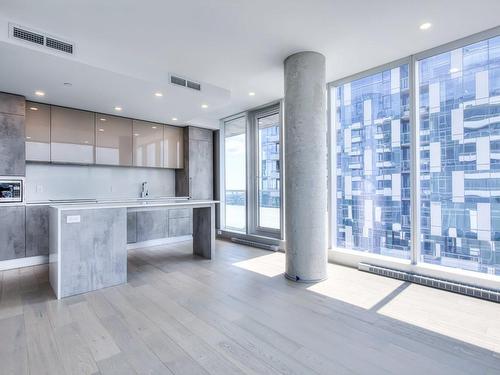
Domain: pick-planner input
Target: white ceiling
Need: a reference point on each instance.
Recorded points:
(126, 49)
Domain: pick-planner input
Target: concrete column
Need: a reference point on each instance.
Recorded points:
(305, 167)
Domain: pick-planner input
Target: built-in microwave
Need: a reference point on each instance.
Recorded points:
(11, 191)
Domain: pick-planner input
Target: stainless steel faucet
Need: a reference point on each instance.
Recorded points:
(144, 190)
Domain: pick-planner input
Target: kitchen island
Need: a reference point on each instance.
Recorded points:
(88, 242)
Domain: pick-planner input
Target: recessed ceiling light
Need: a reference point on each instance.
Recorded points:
(101, 129)
(34, 108)
(153, 127)
(204, 106)
(86, 142)
(136, 134)
(251, 93)
(28, 137)
(39, 93)
(102, 119)
(425, 26)
(454, 70)
(174, 118)
(158, 94)
(118, 109)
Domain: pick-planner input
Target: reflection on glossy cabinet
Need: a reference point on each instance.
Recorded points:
(173, 146)
(72, 136)
(37, 132)
(147, 144)
(113, 140)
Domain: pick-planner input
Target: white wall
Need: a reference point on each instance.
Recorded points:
(52, 181)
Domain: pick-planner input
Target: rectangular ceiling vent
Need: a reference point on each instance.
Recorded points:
(59, 45)
(27, 35)
(176, 80)
(39, 38)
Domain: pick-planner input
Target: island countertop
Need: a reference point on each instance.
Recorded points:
(135, 204)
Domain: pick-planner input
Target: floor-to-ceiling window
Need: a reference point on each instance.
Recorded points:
(372, 163)
(235, 173)
(415, 162)
(268, 171)
(459, 127)
(252, 172)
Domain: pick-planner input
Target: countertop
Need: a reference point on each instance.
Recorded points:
(73, 201)
(137, 203)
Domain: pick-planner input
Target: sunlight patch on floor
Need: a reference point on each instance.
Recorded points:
(354, 287)
(459, 317)
(268, 265)
(463, 318)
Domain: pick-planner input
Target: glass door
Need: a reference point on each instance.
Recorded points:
(235, 174)
(267, 217)
(251, 174)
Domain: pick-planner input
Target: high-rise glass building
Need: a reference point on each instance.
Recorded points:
(459, 118)
(372, 163)
(457, 174)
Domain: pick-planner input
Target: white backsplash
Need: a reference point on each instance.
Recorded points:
(53, 181)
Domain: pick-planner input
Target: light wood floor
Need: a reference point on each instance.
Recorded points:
(237, 314)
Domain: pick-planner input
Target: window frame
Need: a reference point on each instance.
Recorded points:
(222, 170)
(354, 257)
(252, 231)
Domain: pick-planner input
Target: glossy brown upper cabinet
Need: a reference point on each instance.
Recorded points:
(147, 144)
(173, 145)
(113, 140)
(72, 136)
(37, 132)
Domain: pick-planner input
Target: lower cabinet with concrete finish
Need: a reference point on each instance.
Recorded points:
(152, 225)
(157, 224)
(131, 227)
(37, 230)
(12, 235)
(180, 222)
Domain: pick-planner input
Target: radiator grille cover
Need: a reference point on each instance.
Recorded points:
(469, 290)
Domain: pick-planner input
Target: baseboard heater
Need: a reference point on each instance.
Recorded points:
(451, 286)
(255, 244)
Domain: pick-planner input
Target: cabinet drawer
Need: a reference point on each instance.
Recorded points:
(179, 213)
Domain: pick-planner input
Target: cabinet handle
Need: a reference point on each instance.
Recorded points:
(190, 187)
